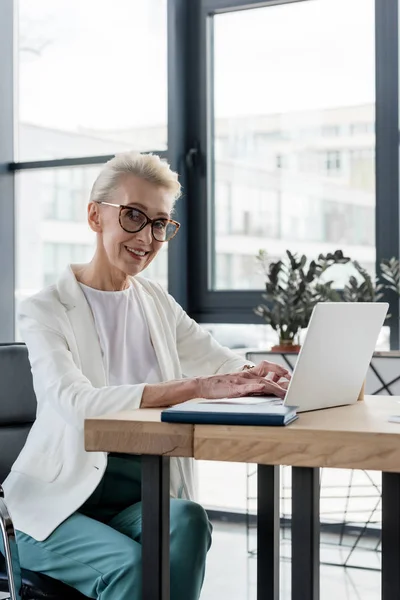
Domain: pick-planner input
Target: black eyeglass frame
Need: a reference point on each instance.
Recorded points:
(148, 220)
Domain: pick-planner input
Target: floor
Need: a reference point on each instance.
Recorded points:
(231, 572)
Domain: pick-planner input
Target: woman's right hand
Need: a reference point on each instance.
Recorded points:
(236, 385)
(232, 385)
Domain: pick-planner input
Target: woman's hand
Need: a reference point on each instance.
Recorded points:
(265, 379)
(271, 370)
(244, 383)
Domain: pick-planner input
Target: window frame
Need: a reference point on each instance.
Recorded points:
(9, 168)
(236, 306)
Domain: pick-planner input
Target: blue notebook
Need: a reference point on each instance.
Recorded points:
(244, 411)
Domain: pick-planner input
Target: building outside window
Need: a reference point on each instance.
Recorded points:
(333, 162)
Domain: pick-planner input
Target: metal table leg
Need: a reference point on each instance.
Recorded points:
(390, 536)
(268, 531)
(305, 533)
(155, 528)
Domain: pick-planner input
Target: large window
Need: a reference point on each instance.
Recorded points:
(293, 125)
(283, 122)
(85, 90)
(92, 77)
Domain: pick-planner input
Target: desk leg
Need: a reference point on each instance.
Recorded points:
(155, 528)
(390, 536)
(305, 533)
(268, 520)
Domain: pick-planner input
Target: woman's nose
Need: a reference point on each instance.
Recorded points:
(145, 234)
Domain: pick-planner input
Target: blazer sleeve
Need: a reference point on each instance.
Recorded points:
(199, 353)
(58, 380)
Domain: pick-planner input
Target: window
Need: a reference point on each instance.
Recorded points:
(57, 256)
(276, 120)
(330, 130)
(361, 128)
(84, 87)
(333, 162)
(83, 92)
(66, 192)
(362, 169)
(349, 224)
(281, 161)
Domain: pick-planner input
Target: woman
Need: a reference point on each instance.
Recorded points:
(104, 339)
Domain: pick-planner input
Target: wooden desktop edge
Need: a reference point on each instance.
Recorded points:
(371, 446)
(139, 431)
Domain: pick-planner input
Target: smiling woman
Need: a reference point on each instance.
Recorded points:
(144, 189)
(105, 339)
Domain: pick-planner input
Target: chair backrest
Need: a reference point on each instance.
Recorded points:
(17, 403)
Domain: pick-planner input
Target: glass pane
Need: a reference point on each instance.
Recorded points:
(241, 338)
(52, 229)
(294, 136)
(92, 77)
(247, 338)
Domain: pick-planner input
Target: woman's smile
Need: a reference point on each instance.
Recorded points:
(136, 253)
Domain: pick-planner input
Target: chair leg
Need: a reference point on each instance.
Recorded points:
(10, 550)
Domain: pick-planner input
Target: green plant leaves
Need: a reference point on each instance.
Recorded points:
(292, 289)
(390, 272)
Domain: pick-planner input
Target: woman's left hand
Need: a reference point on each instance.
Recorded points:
(271, 370)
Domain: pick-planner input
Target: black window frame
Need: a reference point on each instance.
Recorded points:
(236, 306)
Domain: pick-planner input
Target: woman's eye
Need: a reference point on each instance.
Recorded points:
(133, 215)
(161, 225)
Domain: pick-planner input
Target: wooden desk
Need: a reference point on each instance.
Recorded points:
(351, 437)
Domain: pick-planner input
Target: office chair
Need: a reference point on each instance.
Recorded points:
(17, 413)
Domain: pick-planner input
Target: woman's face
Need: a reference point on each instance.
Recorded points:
(130, 253)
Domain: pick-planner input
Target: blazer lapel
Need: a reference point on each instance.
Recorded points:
(83, 326)
(154, 322)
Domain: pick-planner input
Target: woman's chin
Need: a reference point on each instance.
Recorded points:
(133, 269)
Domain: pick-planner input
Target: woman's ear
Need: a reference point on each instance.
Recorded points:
(94, 217)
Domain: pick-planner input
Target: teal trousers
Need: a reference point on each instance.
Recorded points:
(97, 550)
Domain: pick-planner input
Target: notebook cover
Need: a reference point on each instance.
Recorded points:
(225, 413)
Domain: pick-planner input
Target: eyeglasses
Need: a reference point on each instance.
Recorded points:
(133, 220)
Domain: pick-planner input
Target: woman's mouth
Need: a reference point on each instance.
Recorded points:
(136, 253)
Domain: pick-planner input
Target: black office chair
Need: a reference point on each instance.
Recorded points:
(17, 413)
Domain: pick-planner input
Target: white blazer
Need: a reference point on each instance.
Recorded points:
(54, 475)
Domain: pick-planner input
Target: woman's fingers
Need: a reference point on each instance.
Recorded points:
(273, 377)
(284, 384)
(265, 386)
(265, 367)
(252, 388)
(274, 388)
(238, 384)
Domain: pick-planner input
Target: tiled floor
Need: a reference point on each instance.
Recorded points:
(231, 573)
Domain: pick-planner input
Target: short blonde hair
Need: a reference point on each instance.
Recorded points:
(149, 167)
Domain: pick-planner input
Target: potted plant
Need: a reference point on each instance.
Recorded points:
(366, 289)
(292, 290)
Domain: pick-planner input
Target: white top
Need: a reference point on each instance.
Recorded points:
(128, 354)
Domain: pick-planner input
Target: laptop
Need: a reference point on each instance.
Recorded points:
(334, 359)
